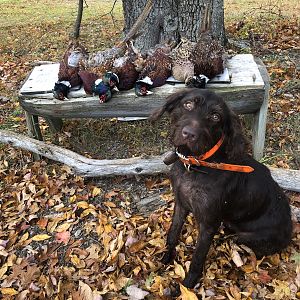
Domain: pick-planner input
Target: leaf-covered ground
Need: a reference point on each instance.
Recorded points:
(62, 237)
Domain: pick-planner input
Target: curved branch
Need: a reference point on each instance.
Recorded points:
(138, 23)
(87, 167)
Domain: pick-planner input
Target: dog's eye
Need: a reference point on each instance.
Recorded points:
(215, 117)
(189, 105)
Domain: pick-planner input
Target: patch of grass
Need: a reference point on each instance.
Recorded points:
(239, 10)
(17, 112)
(115, 139)
(28, 12)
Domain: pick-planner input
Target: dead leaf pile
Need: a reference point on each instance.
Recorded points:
(63, 238)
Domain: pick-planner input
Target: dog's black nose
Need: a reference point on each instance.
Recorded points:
(189, 133)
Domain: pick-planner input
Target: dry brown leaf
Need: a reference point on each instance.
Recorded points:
(42, 223)
(82, 204)
(275, 259)
(72, 198)
(63, 227)
(110, 195)
(229, 296)
(96, 191)
(109, 203)
(136, 247)
(53, 224)
(136, 270)
(248, 268)
(63, 237)
(186, 294)
(281, 290)
(88, 211)
(93, 251)
(77, 262)
(236, 258)
(3, 270)
(9, 291)
(24, 237)
(179, 270)
(41, 237)
(235, 292)
(264, 277)
(85, 291)
(23, 295)
(189, 240)
(158, 242)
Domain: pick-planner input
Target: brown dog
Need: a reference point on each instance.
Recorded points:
(214, 178)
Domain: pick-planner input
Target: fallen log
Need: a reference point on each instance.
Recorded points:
(87, 167)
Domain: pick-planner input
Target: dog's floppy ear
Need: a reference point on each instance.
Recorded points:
(172, 101)
(236, 145)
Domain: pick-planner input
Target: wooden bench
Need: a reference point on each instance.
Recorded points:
(247, 93)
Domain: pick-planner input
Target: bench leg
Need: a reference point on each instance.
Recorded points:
(260, 118)
(34, 130)
(259, 131)
(55, 124)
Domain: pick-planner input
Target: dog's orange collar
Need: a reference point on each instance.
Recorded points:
(200, 161)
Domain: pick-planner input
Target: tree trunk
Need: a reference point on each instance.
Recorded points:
(77, 24)
(172, 19)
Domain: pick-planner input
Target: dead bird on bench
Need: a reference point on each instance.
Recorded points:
(101, 86)
(69, 67)
(157, 68)
(208, 54)
(215, 178)
(194, 63)
(183, 66)
(128, 67)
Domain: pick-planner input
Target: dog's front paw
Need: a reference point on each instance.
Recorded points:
(191, 280)
(168, 257)
(175, 290)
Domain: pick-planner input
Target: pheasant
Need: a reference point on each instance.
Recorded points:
(95, 85)
(68, 70)
(157, 68)
(196, 62)
(208, 53)
(182, 66)
(128, 67)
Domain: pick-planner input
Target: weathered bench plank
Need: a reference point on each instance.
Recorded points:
(247, 93)
(241, 100)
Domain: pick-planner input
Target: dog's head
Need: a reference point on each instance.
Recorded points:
(199, 118)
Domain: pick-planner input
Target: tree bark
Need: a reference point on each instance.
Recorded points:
(77, 24)
(172, 19)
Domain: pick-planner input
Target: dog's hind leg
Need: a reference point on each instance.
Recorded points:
(178, 219)
(262, 243)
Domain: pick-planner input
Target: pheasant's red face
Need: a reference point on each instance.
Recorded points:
(60, 96)
(143, 90)
(102, 98)
(112, 83)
